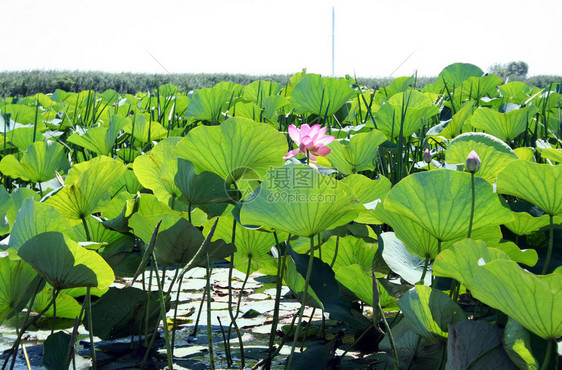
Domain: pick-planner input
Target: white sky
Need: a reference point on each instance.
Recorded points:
(263, 36)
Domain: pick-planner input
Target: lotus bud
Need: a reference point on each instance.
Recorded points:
(427, 156)
(473, 162)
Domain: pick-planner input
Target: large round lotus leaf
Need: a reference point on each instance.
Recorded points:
(527, 257)
(100, 139)
(409, 266)
(517, 344)
(65, 264)
(354, 278)
(297, 200)
(207, 104)
(428, 312)
(421, 242)
(35, 218)
(505, 126)
(321, 96)
(16, 278)
(39, 163)
(516, 90)
(259, 91)
(251, 245)
(494, 154)
(145, 130)
(440, 201)
(66, 306)
(349, 250)
(369, 193)
(89, 191)
(205, 188)
(525, 153)
(470, 340)
(540, 184)
(455, 74)
(525, 224)
(534, 301)
(236, 147)
(461, 260)
(359, 154)
(552, 154)
(407, 110)
(156, 170)
(455, 126)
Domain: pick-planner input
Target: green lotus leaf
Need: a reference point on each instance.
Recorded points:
(474, 88)
(89, 191)
(249, 110)
(39, 163)
(157, 169)
(296, 282)
(66, 306)
(145, 131)
(534, 301)
(297, 200)
(35, 218)
(470, 340)
(402, 262)
(527, 257)
(10, 204)
(429, 311)
(461, 260)
(354, 278)
(455, 74)
(454, 127)
(124, 312)
(251, 245)
(494, 154)
(517, 344)
(552, 154)
(357, 154)
(515, 90)
(524, 153)
(537, 183)
(272, 105)
(440, 201)
(505, 126)
(234, 88)
(65, 264)
(406, 111)
(322, 96)
(369, 193)
(525, 224)
(204, 188)
(207, 104)
(100, 139)
(421, 242)
(16, 277)
(259, 91)
(349, 250)
(236, 147)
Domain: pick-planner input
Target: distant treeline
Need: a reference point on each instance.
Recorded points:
(27, 83)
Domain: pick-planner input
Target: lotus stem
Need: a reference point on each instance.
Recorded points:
(281, 259)
(175, 310)
(163, 313)
(232, 319)
(209, 327)
(548, 355)
(301, 311)
(425, 265)
(86, 228)
(550, 246)
(388, 330)
(90, 325)
(472, 206)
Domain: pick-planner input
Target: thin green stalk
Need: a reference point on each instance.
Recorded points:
(86, 228)
(90, 325)
(303, 303)
(388, 330)
(472, 206)
(425, 265)
(548, 355)
(209, 326)
(163, 313)
(232, 319)
(194, 333)
(279, 284)
(550, 246)
(175, 311)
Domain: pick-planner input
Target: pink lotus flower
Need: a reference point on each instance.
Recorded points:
(312, 141)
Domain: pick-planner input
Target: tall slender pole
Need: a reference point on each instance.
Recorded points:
(333, 39)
